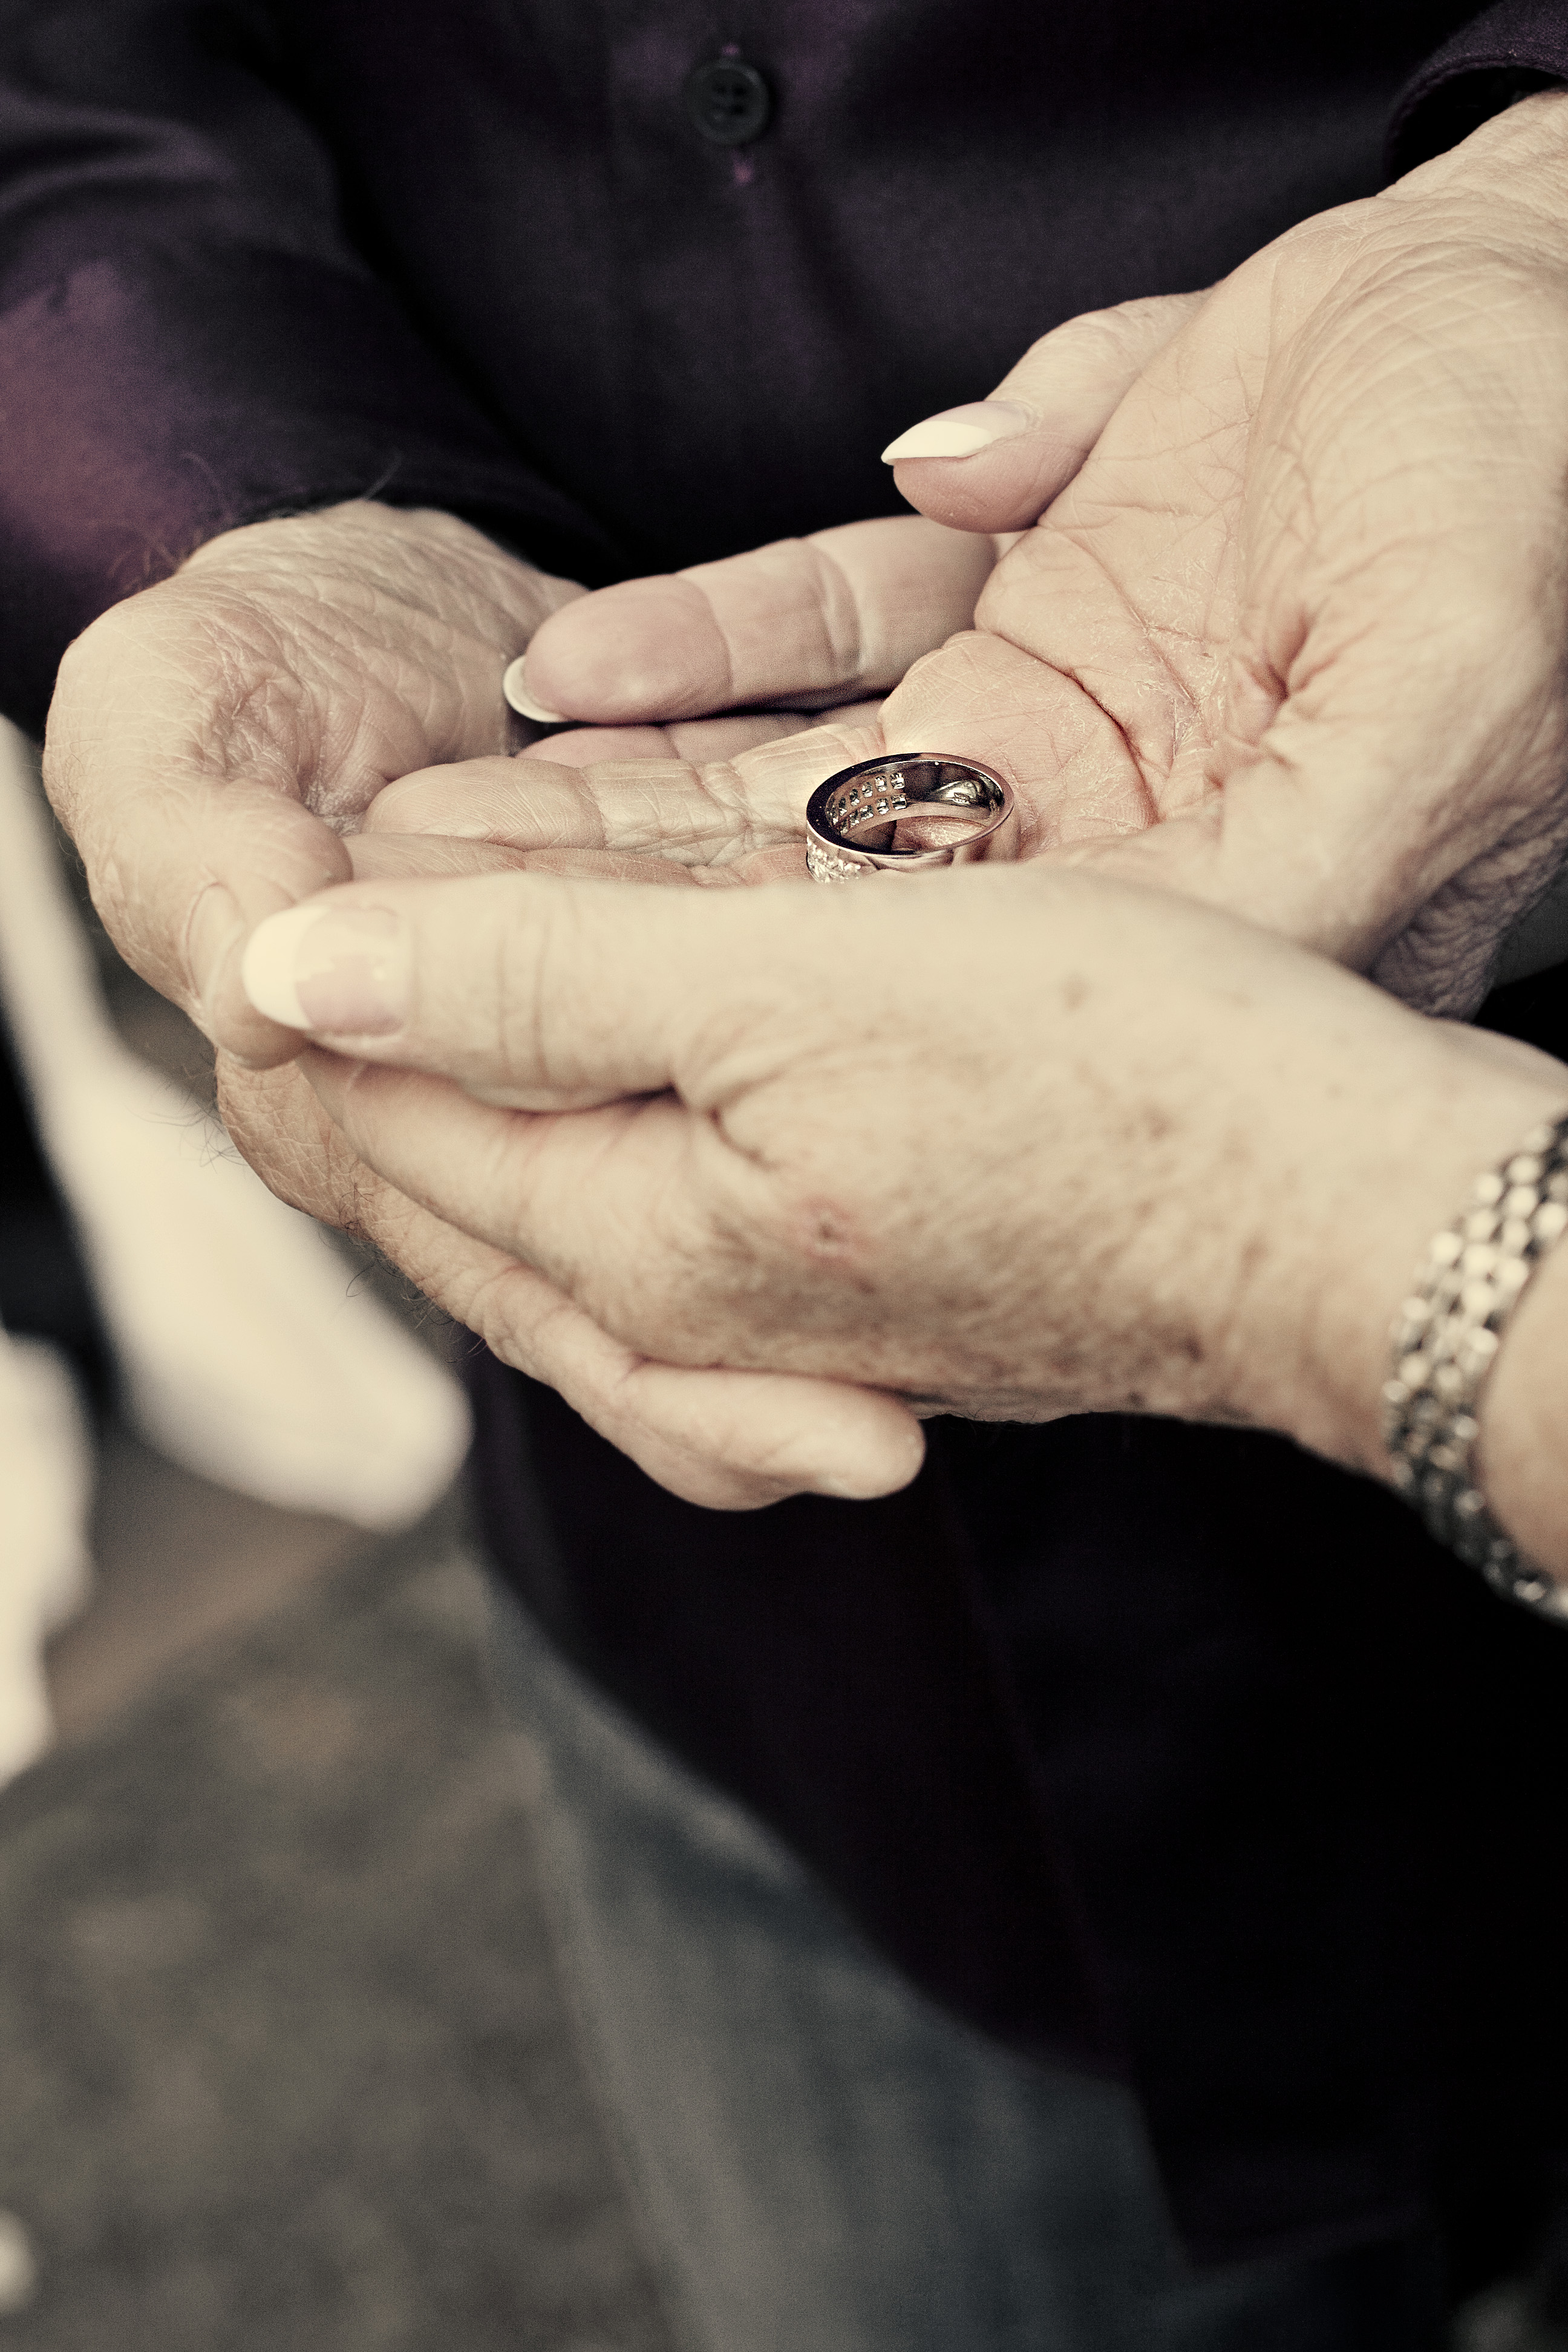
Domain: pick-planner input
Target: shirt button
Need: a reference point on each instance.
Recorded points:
(728, 101)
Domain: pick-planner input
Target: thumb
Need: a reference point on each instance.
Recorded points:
(531, 991)
(996, 465)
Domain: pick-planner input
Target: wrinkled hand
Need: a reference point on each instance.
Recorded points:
(1292, 637)
(1015, 1141)
(211, 742)
(650, 779)
(673, 791)
(210, 739)
(1308, 596)
(733, 1441)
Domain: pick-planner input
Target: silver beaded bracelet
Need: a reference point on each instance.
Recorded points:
(1444, 1340)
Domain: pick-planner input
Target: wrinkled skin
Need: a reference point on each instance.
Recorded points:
(1291, 639)
(1049, 1168)
(210, 739)
(1301, 601)
(213, 744)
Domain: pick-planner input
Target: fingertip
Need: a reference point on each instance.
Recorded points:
(515, 685)
(640, 651)
(961, 432)
(258, 853)
(872, 1446)
(1001, 488)
(238, 1027)
(218, 1004)
(734, 1440)
(268, 965)
(421, 802)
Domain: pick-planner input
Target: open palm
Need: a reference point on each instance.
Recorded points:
(1289, 638)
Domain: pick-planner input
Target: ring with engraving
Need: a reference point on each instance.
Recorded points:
(852, 821)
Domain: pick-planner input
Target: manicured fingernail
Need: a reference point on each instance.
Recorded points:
(523, 703)
(216, 926)
(343, 974)
(960, 431)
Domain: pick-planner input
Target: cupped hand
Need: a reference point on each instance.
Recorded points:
(692, 757)
(829, 624)
(1015, 1141)
(213, 740)
(210, 739)
(1297, 624)
(1290, 639)
(213, 744)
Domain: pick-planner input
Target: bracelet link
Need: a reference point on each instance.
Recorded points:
(1444, 1342)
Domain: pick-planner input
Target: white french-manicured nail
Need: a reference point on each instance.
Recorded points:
(338, 971)
(960, 431)
(267, 973)
(523, 702)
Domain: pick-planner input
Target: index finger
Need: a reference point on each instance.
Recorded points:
(529, 991)
(806, 621)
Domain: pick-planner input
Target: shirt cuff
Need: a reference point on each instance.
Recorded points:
(1507, 52)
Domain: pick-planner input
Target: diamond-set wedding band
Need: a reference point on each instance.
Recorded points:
(874, 795)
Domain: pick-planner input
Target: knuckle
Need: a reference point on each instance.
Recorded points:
(515, 1028)
(835, 604)
(521, 1319)
(489, 1314)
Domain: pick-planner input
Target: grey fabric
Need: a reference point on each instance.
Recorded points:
(824, 2161)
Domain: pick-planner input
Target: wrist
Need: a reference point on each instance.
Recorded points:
(1517, 157)
(1394, 1161)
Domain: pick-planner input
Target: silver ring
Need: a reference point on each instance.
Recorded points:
(874, 796)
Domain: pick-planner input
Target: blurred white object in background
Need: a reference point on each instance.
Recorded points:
(46, 1485)
(18, 2267)
(246, 1350)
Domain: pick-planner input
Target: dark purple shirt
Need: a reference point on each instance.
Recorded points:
(1171, 1751)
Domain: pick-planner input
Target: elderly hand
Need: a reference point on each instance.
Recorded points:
(734, 1440)
(210, 738)
(1310, 594)
(1295, 626)
(1014, 1142)
(651, 781)
(211, 741)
